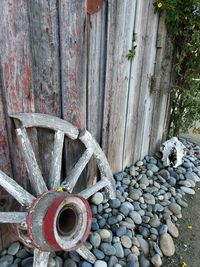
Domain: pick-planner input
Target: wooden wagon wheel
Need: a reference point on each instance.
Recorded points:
(53, 220)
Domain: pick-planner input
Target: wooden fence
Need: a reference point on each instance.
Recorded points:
(57, 59)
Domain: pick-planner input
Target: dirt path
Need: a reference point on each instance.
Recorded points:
(188, 243)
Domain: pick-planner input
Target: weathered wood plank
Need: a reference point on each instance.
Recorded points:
(101, 160)
(13, 217)
(161, 87)
(119, 41)
(36, 179)
(76, 171)
(44, 36)
(46, 121)
(148, 72)
(86, 254)
(16, 74)
(72, 21)
(20, 194)
(96, 28)
(40, 259)
(135, 83)
(56, 160)
(88, 192)
(144, 97)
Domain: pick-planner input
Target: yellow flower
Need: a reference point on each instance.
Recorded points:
(159, 5)
(60, 189)
(183, 264)
(189, 226)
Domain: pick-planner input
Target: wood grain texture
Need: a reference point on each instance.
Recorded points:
(44, 42)
(20, 194)
(146, 98)
(16, 72)
(16, 81)
(119, 40)
(35, 175)
(73, 47)
(96, 62)
(135, 77)
(41, 259)
(13, 217)
(161, 87)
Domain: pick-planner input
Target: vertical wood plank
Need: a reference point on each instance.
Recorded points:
(135, 84)
(143, 114)
(16, 86)
(72, 24)
(119, 40)
(148, 72)
(44, 36)
(96, 28)
(161, 88)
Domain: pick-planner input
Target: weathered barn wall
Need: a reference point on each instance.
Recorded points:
(57, 59)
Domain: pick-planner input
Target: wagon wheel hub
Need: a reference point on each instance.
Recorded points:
(51, 220)
(58, 221)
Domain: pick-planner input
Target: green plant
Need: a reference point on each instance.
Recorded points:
(183, 24)
(131, 52)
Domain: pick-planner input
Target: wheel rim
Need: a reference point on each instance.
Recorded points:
(55, 233)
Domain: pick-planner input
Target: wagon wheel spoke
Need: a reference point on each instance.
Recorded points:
(84, 252)
(76, 171)
(88, 192)
(55, 170)
(13, 188)
(35, 175)
(41, 259)
(13, 217)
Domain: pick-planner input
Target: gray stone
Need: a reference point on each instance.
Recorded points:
(105, 234)
(95, 239)
(136, 217)
(6, 260)
(97, 198)
(163, 229)
(70, 263)
(165, 174)
(154, 222)
(152, 167)
(119, 250)
(59, 261)
(144, 262)
(135, 194)
(156, 260)
(167, 245)
(112, 261)
(187, 190)
(115, 203)
(126, 241)
(108, 249)
(14, 248)
(143, 244)
(28, 262)
(175, 208)
(74, 256)
(149, 199)
(22, 253)
(100, 263)
(121, 231)
(98, 253)
(172, 229)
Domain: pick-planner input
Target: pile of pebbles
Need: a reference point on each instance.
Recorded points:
(137, 228)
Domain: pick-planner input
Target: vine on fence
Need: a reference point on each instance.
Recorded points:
(183, 24)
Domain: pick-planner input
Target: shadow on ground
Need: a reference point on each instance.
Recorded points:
(188, 243)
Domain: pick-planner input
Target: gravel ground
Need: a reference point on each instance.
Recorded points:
(139, 227)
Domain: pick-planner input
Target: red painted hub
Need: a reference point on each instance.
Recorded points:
(58, 221)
